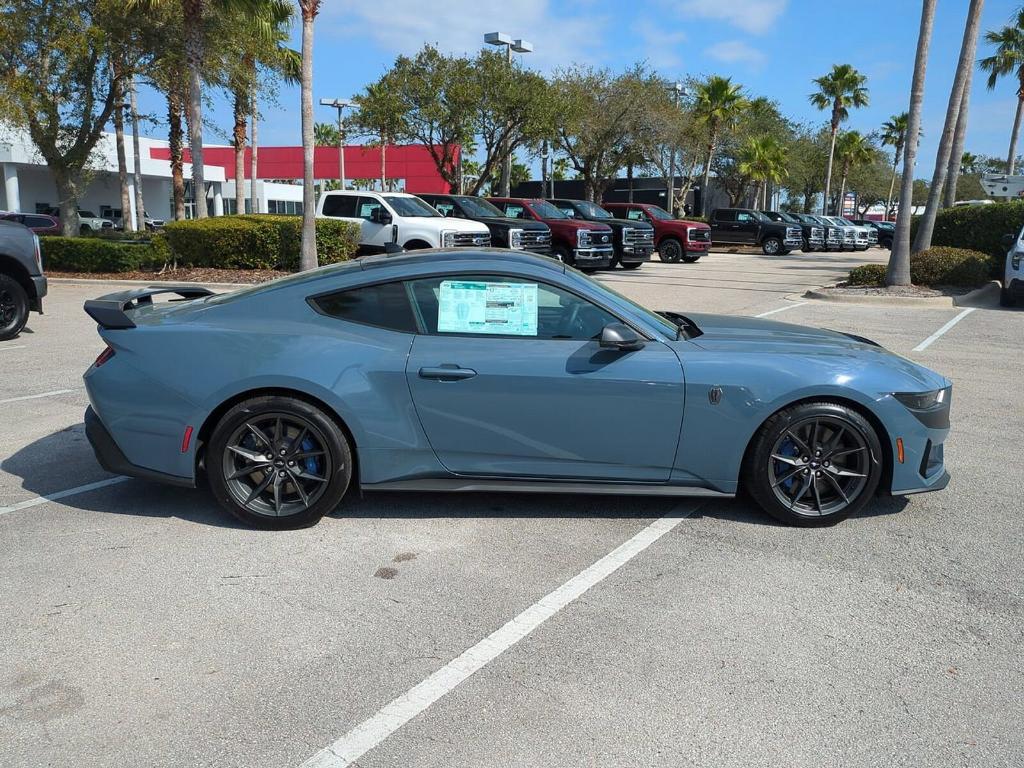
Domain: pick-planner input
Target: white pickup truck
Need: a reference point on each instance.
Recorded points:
(401, 219)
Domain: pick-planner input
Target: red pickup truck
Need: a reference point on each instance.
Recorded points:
(582, 244)
(674, 239)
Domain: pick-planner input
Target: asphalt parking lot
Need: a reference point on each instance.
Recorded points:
(140, 626)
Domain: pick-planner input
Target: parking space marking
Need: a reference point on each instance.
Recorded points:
(36, 397)
(371, 732)
(37, 500)
(939, 333)
(16, 346)
(782, 309)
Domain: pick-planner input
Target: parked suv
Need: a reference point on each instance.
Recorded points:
(854, 238)
(884, 230)
(1013, 273)
(633, 240)
(39, 223)
(813, 234)
(22, 284)
(519, 234)
(674, 239)
(744, 226)
(579, 243)
(90, 222)
(387, 218)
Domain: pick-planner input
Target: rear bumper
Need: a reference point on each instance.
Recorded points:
(111, 458)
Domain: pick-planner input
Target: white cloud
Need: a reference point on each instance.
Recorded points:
(661, 47)
(755, 16)
(458, 26)
(736, 52)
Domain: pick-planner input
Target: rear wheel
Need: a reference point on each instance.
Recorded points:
(814, 464)
(771, 246)
(670, 250)
(278, 462)
(13, 307)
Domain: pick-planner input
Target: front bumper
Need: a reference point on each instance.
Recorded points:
(634, 254)
(112, 459)
(793, 242)
(593, 257)
(922, 435)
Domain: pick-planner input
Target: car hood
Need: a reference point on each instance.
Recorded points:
(464, 225)
(512, 223)
(732, 334)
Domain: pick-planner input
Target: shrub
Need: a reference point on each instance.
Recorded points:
(977, 227)
(94, 254)
(950, 266)
(868, 274)
(256, 241)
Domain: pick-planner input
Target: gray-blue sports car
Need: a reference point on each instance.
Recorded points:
(497, 370)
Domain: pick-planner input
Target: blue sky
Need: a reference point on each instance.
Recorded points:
(772, 47)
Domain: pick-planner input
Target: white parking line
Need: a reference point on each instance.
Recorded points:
(370, 733)
(36, 397)
(938, 334)
(37, 500)
(782, 309)
(16, 346)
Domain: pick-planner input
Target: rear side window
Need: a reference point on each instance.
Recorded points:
(383, 306)
(725, 215)
(635, 214)
(37, 221)
(340, 205)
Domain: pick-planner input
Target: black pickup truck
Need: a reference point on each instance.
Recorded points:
(633, 240)
(813, 234)
(22, 283)
(520, 234)
(745, 226)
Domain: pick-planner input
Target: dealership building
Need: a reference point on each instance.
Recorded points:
(28, 185)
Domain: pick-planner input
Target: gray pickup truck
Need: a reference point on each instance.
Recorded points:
(22, 284)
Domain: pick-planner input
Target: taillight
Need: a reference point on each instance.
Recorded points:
(105, 355)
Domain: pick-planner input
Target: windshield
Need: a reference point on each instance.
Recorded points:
(788, 217)
(658, 213)
(759, 216)
(477, 206)
(592, 211)
(410, 206)
(546, 210)
(806, 218)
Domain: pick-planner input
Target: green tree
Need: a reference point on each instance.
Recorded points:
(761, 117)
(894, 134)
(1008, 60)
(382, 116)
(838, 91)
(718, 104)
(807, 153)
(853, 150)
(763, 159)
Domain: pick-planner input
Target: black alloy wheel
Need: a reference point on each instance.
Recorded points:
(670, 250)
(278, 462)
(13, 307)
(814, 464)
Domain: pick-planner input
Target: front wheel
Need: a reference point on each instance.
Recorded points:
(771, 246)
(813, 464)
(563, 254)
(278, 462)
(1006, 299)
(691, 259)
(670, 250)
(633, 265)
(13, 307)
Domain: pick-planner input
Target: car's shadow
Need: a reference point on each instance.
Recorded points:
(64, 460)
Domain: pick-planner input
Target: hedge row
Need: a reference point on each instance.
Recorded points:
(976, 227)
(256, 241)
(939, 265)
(260, 241)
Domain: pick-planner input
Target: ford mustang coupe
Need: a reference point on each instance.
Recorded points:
(469, 370)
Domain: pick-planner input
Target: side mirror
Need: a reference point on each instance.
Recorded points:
(380, 216)
(621, 337)
(1009, 240)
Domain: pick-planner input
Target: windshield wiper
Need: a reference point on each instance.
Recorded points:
(685, 327)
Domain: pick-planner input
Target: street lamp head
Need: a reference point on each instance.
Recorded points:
(522, 46)
(498, 38)
(337, 103)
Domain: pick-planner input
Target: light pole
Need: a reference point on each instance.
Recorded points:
(340, 105)
(519, 46)
(677, 90)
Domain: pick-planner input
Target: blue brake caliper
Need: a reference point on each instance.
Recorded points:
(788, 448)
(311, 463)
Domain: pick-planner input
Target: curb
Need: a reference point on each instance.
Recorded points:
(978, 297)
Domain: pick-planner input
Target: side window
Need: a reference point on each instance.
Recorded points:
(725, 216)
(515, 211)
(366, 207)
(491, 305)
(37, 221)
(744, 218)
(340, 205)
(384, 306)
(635, 214)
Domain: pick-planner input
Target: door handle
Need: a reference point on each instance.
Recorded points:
(447, 372)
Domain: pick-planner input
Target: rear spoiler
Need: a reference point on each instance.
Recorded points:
(109, 311)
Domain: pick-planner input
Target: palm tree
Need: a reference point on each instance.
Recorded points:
(763, 158)
(853, 150)
(718, 103)
(382, 114)
(898, 272)
(969, 162)
(839, 90)
(307, 257)
(956, 164)
(968, 46)
(1008, 60)
(894, 134)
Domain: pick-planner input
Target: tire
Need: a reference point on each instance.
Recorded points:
(807, 246)
(671, 250)
(1006, 299)
(820, 490)
(785, 251)
(85, 229)
(13, 307)
(691, 259)
(634, 265)
(771, 246)
(289, 430)
(563, 254)
(886, 243)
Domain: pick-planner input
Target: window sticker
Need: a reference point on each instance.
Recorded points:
(508, 309)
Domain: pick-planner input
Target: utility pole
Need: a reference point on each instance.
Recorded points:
(340, 105)
(677, 90)
(544, 169)
(519, 46)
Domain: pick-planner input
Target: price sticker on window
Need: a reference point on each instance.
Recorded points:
(507, 309)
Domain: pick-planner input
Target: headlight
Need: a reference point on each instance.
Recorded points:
(1015, 260)
(923, 401)
(447, 238)
(582, 237)
(515, 238)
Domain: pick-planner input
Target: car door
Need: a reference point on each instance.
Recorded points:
(724, 227)
(747, 229)
(375, 235)
(509, 379)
